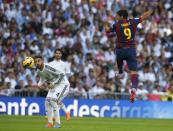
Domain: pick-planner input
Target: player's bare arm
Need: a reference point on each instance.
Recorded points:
(146, 14)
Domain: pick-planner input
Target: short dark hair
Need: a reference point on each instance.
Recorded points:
(58, 49)
(123, 13)
(38, 56)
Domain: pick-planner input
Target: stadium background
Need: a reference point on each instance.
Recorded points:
(32, 27)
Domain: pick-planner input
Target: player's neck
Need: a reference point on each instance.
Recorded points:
(58, 59)
(42, 66)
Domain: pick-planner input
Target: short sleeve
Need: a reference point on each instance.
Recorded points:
(67, 68)
(113, 26)
(137, 20)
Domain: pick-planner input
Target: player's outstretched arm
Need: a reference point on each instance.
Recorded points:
(146, 14)
(110, 31)
(153, 6)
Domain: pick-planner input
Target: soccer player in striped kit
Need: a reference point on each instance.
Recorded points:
(53, 76)
(125, 30)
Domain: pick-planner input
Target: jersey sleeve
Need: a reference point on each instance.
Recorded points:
(111, 32)
(113, 27)
(67, 69)
(137, 20)
(41, 80)
(51, 69)
(57, 73)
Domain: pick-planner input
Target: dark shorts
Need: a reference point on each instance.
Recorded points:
(128, 54)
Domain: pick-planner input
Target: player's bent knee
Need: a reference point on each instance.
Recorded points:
(60, 104)
(54, 103)
(47, 102)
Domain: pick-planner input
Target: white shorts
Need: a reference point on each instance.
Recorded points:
(59, 92)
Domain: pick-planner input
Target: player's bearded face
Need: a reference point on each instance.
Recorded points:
(38, 63)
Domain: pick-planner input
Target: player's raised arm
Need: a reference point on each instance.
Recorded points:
(151, 8)
(110, 31)
(146, 14)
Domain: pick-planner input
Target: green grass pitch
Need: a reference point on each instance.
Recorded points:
(37, 123)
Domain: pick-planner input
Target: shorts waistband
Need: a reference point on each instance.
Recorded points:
(126, 46)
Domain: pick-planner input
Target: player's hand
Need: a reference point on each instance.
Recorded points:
(50, 85)
(37, 86)
(45, 84)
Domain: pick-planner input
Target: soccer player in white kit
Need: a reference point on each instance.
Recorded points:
(53, 76)
(63, 66)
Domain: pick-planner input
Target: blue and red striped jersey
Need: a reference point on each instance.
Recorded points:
(125, 30)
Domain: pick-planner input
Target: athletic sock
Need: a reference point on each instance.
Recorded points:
(134, 80)
(62, 106)
(56, 113)
(49, 112)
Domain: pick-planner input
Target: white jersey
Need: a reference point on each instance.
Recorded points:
(54, 72)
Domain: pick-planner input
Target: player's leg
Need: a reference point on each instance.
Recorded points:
(56, 113)
(132, 64)
(119, 59)
(64, 92)
(62, 106)
(49, 112)
(56, 103)
(134, 80)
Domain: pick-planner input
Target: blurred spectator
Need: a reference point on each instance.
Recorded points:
(5, 89)
(157, 90)
(28, 28)
(170, 92)
(11, 79)
(97, 91)
(142, 92)
(90, 79)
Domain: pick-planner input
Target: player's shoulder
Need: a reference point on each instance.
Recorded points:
(134, 19)
(51, 62)
(46, 63)
(62, 62)
(49, 66)
(54, 62)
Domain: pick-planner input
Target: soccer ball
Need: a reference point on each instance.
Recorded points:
(28, 62)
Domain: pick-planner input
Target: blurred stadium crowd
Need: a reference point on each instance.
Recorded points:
(31, 27)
